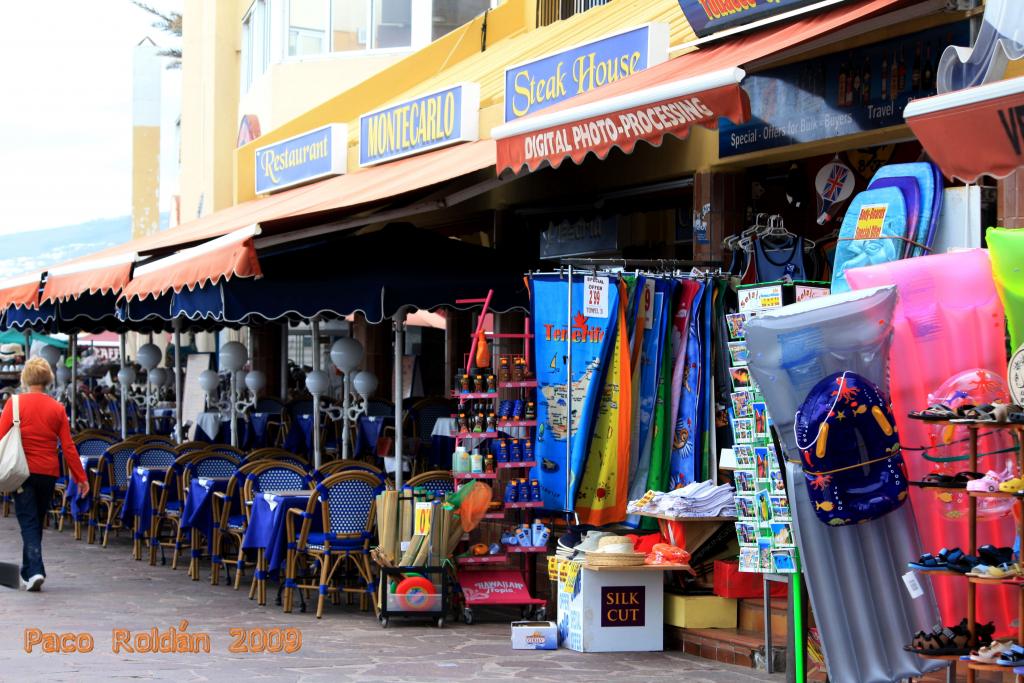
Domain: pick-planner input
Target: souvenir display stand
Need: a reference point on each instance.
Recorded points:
(972, 521)
(496, 420)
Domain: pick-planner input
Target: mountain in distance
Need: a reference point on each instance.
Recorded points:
(36, 250)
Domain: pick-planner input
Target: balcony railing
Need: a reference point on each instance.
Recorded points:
(550, 11)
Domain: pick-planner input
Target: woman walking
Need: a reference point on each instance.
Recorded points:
(43, 423)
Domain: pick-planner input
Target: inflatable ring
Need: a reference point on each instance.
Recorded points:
(415, 594)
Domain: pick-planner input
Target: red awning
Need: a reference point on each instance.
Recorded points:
(233, 255)
(973, 132)
(20, 291)
(94, 276)
(697, 88)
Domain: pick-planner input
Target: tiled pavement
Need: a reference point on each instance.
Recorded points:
(97, 590)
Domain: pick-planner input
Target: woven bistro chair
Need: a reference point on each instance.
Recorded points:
(204, 464)
(168, 502)
(154, 455)
(109, 483)
(189, 447)
(345, 503)
(229, 520)
(92, 444)
(279, 455)
(335, 466)
(438, 482)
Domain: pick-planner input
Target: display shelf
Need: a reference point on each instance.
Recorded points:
(484, 395)
(985, 581)
(494, 517)
(515, 465)
(653, 515)
(526, 549)
(642, 568)
(523, 384)
(482, 559)
(518, 506)
(944, 658)
(516, 424)
(993, 494)
(477, 435)
(941, 487)
(982, 666)
(936, 570)
(471, 475)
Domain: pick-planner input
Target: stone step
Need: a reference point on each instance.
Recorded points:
(726, 645)
(751, 615)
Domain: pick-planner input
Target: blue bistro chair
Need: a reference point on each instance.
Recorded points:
(345, 504)
(438, 482)
(225, 449)
(279, 455)
(252, 478)
(335, 466)
(88, 445)
(228, 519)
(190, 447)
(168, 501)
(109, 483)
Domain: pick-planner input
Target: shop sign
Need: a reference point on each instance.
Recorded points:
(428, 122)
(583, 236)
(622, 606)
(301, 159)
(710, 16)
(840, 94)
(538, 84)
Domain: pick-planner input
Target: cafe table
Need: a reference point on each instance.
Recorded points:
(266, 533)
(197, 516)
(138, 504)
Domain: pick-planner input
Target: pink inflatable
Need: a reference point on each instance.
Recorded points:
(948, 320)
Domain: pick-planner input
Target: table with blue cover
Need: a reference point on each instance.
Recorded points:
(198, 515)
(368, 431)
(78, 507)
(266, 531)
(138, 506)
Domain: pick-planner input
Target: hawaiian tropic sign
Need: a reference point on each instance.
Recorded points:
(710, 16)
(536, 85)
(428, 122)
(301, 159)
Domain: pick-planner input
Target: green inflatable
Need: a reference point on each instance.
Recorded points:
(1006, 249)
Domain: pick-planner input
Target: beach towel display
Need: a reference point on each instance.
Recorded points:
(604, 486)
(1006, 247)
(687, 384)
(863, 611)
(593, 332)
(873, 232)
(948, 320)
(850, 452)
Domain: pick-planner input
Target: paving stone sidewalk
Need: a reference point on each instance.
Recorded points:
(96, 590)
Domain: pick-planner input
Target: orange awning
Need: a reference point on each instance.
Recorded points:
(228, 256)
(697, 88)
(94, 276)
(20, 291)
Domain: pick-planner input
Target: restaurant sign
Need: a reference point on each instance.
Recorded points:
(538, 84)
(428, 122)
(301, 159)
(711, 16)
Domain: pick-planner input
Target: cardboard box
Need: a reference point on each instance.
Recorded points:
(700, 611)
(534, 635)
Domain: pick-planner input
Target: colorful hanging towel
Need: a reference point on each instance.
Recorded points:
(683, 466)
(647, 375)
(592, 337)
(604, 489)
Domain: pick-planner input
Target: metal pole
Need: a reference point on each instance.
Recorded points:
(124, 392)
(149, 403)
(73, 393)
(346, 401)
(314, 326)
(399, 324)
(569, 504)
(178, 401)
(234, 407)
(284, 361)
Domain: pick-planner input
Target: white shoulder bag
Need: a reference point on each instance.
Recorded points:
(13, 465)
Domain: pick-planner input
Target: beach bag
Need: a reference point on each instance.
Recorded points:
(13, 465)
(850, 451)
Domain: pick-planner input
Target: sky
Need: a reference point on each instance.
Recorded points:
(66, 110)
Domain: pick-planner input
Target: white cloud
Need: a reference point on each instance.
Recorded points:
(65, 122)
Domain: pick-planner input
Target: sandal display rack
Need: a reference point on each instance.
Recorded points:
(973, 582)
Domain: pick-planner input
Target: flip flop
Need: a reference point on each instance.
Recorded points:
(989, 653)
(1012, 656)
(984, 413)
(936, 411)
(990, 554)
(929, 563)
(938, 479)
(962, 563)
(966, 476)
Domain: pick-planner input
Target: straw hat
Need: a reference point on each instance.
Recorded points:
(615, 551)
(615, 544)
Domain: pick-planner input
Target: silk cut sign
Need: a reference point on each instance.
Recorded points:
(595, 297)
(622, 606)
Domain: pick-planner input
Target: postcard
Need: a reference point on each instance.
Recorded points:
(738, 353)
(742, 403)
(740, 378)
(782, 535)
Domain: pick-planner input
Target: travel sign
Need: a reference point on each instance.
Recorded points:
(711, 16)
(536, 85)
(428, 122)
(304, 158)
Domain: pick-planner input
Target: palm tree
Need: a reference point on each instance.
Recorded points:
(167, 22)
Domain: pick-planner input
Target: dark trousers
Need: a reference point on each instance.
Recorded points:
(31, 503)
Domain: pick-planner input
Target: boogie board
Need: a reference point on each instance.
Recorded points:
(912, 196)
(924, 174)
(873, 233)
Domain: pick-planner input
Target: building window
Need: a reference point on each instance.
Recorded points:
(307, 27)
(350, 25)
(255, 43)
(392, 23)
(448, 15)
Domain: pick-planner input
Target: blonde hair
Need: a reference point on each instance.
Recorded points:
(37, 372)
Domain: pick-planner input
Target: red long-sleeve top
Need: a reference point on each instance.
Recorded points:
(43, 422)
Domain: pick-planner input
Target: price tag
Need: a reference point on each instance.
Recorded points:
(595, 297)
(648, 303)
(423, 515)
(913, 587)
